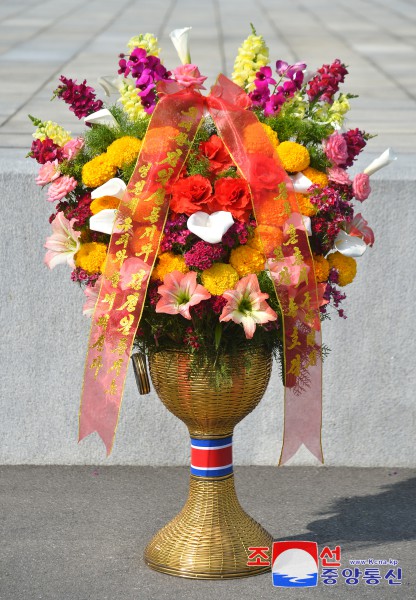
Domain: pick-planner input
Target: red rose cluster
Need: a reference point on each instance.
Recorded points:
(194, 193)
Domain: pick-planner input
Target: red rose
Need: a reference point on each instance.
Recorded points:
(232, 195)
(190, 194)
(263, 172)
(214, 149)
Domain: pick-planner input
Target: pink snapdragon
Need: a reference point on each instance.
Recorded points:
(189, 76)
(246, 305)
(48, 172)
(63, 244)
(179, 292)
(61, 187)
(71, 148)
(336, 149)
(361, 187)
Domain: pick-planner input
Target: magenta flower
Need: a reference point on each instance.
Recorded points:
(61, 187)
(246, 305)
(45, 151)
(179, 292)
(79, 96)
(265, 76)
(48, 172)
(63, 244)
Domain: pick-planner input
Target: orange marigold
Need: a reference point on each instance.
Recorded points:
(124, 150)
(294, 156)
(321, 267)
(91, 257)
(246, 260)
(345, 265)
(266, 238)
(316, 176)
(168, 262)
(159, 139)
(305, 205)
(97, 171)
(102, 203)
(254, 144)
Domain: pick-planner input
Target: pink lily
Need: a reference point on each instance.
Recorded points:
(63, 244)
(246, 305)
(359, 227)
(179, 292)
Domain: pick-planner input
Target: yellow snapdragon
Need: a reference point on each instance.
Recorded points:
(52, 131)
(252, 55)
(147, 41)
(131, 102)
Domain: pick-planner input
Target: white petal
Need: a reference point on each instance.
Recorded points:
(110, 84)
(179, 39)
(103, 221)
(383, 160)
(101, 117)
(350, 245)
(113, 187)
(300, 182)
(210, 228)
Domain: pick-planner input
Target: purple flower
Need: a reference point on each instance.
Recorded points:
(273, 105)
(265, 75)
(80, 97)
(281, 67)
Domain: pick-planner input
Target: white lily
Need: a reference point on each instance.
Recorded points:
(101, 117)
(113, 187)
(103, 221)
(300, 182)
(110, 84)
(210, 228)
(383, 160)
(349, 245)
(179, 39)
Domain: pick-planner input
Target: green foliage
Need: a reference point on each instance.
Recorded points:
(297, 129)
(97, 139)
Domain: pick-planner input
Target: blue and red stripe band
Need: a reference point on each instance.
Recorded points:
(212, 458)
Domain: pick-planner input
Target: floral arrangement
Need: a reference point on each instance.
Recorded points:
(214, 283)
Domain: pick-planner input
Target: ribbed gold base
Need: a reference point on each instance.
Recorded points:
(210, 537)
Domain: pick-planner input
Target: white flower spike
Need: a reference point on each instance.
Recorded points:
(179, 39)
(383, 160)
(210, 228)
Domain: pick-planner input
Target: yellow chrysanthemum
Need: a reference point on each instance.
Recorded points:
(254, 144)
(316, 176)
(159, 139)
(252, 54)
(123, 151)
(167, 263)
(266, 238)
(53, 131)
(294, 156)
(345, 265)
(246, 260)
(321, 266)
(103, 203)
(91, 257)
(219, 278)
(131, 102)
(97, 171)
(148, 41)
(305, 205)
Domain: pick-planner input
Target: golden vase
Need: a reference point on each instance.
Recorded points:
(211, 536)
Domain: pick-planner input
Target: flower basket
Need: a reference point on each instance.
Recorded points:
(208, 232)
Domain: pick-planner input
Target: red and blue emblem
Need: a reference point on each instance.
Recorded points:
(212, 458)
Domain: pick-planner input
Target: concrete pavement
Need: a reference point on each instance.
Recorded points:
(78, 533)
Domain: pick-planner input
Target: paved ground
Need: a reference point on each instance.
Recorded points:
(40, 39)
(78, 533)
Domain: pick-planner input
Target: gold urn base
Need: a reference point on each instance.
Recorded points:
(210, 537)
